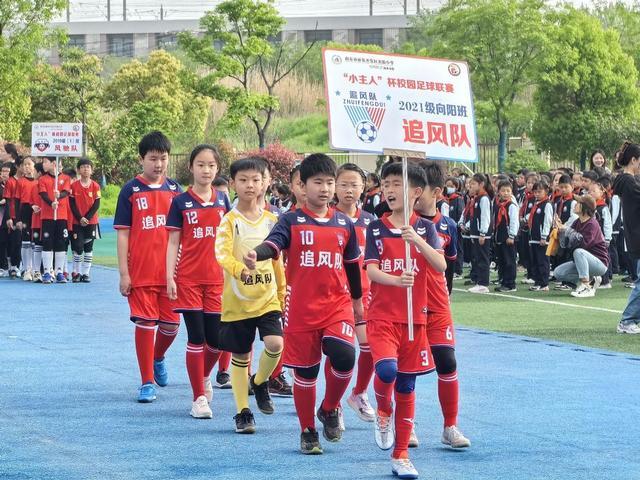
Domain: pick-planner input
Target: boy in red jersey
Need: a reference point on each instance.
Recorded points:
(194, 277)
(85, 202)
(36, 226)
(397, 359)
(440, 329)
(350, 181)
(322, 249)
(26, 185)
(141, 215)
(55, 232)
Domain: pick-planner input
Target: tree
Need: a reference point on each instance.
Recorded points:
(503, 42)
(68, 93)
(23, 31)
(588, 87)
(237, 46)
(626, 20)
(145, 96)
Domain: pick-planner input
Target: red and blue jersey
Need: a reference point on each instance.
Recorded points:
(317, 249)
(386, 248)
(198, 221)
(447, 230)
(142, 208)
(361, 221)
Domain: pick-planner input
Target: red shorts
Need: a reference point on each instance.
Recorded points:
(304, 349)
(390, 341)
(151, 304)
(198, 298)
(440, 330)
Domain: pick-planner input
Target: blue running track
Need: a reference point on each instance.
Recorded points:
(68, 380)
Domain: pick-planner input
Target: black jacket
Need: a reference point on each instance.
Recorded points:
(627, 187)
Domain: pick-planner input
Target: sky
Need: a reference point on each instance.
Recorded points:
(96, 10)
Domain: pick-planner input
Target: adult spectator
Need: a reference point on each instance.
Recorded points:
(627, 187)
(589, 249)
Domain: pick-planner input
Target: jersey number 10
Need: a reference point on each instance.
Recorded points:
(306, 237)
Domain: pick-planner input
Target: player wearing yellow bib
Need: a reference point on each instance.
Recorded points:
(251, 299)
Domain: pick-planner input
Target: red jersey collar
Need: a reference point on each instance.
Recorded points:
(329, 214)
(200, 200)
(147, 182)
(358, 212)
(391, 226)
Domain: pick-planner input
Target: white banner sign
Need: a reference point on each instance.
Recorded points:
(382, 101)
(56, 139)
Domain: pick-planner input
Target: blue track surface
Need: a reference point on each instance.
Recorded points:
(533, 409)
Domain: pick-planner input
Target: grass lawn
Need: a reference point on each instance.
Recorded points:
(557, 316)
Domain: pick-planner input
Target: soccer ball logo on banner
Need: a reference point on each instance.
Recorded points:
(366, 131)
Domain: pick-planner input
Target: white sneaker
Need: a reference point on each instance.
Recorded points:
(28, 276)
(413, 439)
(341, 419)
(360, 404)
(453, 437)
(596, 282)
(403, 468)
(37, 277)
(385, 436)
(479, 289)
(200, 408)
(208, 389)
(632, 328)
(3, 273)
(584, 291)
(527, 281)
(606, 286)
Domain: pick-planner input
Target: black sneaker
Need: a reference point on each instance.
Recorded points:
(279, 387)
(223, 380)
(75, 277)
(330, 424)
(310, 442)
(85, 278)
(265, 404)
(505, 289)
(245, 422)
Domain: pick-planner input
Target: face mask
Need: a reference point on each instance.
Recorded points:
(450, 190)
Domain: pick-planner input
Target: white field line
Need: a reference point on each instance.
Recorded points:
(539, 300)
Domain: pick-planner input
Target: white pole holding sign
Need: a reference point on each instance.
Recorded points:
(415, 106)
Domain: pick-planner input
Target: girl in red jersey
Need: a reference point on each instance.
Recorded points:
(195, 280)
(350, 182)
(24, 193)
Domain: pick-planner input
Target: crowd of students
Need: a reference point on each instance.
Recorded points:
(315, 266)
(44, 210)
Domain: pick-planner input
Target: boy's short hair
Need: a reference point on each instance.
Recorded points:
(604, 182)
(317, 164)
(415, 174)
(599, 171)
(434, 173)
(221, 181)
(38, 167)
(249, 163)
(591, 175)
(541, 185)
(283, 189)
(504, 184)
(533, 175)
(374, 178)
(201, 148)
(351, 167)
(84, 161)
(155, 141)
(564, 179)
(7, 165)
(524, 172)
(70, 172)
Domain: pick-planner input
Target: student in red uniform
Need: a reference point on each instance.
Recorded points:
(54, 214)
(26, 185)
(36, 225)
(322, 249)
(11, 196)
(350, 183)
(85, 202)
(5, 173)
(397, 360)
(194, 277)
(140, 219)
(440, 330)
